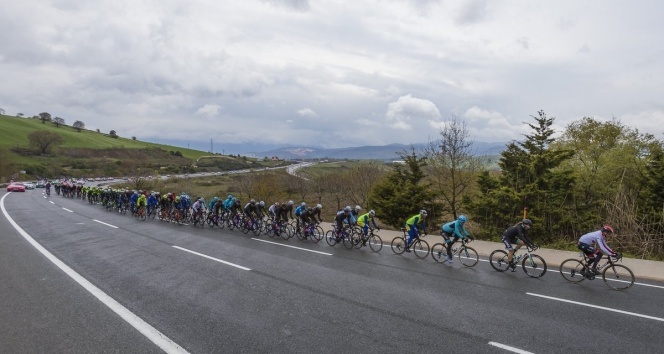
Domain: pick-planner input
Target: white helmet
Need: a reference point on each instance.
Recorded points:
(318, 206)
(372, 213)
(357, 207)
(303, 204)
(262, 203)
(290, 202)
(423, 212)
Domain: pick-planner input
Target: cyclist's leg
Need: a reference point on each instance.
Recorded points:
(412, 234)
(510, 250)
(448, 243)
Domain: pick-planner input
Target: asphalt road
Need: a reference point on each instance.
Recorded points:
(211, 290)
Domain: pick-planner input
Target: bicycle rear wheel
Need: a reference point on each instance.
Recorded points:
(398, 245)
(375, 243)
(350, 240)
(468, 256)
(331, 238)
(420, 248)
(572, 270)
(318, 234)
(498, 260)
(618, 277)
(534, 266)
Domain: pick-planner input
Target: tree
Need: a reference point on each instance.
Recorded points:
(452, 166)
(113, 134)
(2, 111)
(98, 131)
(5, 166)
(44, 140)
(78, 125)
(133, 138)
(20, 115)
(58, 121)
(401, 192)
(362, 179)
(45, 116)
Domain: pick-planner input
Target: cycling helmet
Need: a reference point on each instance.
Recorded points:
(303, 204)
(423, 212)
(253, 201)
(357, 207)
(230, 196)
(347, 208)
(262, 203)
(372, 213)
(290, 202)
(527, 222)
(318, 206)
(462, 218)
(606, 229)
(276, 203)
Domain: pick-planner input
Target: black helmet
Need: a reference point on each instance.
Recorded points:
(527, 222)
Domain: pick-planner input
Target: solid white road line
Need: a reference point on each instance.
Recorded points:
(101, 222)
(507, 347)
(597, 307)
(212, 258)
(67, 210)
(289, 246)
(51, 202)
(158, 338)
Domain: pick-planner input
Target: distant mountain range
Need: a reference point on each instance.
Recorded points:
(384, 152)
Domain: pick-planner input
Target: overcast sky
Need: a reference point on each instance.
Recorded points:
(331, 73)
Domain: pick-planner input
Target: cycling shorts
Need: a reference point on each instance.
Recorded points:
(508, 242)
(589, 250)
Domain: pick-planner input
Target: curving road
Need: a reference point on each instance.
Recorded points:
(210, 290)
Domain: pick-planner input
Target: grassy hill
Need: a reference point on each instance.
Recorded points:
(85, 153)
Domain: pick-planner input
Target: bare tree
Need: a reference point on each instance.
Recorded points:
(58, 121)
(362, 179)
(319, 187)
(78, 125)
(44, 140)
(452, 166)
(2, 111)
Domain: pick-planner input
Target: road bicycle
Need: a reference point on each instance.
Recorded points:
(467, 255)
(140, 213)
(374, 241)
(418, 246)
(533, 265)
(615, 276)
(347, 237)
(198, 218)
(250, 224)
(312, 231)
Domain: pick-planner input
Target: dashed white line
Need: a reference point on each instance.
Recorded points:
(289, 246)
(50, 201)
(597, 307)
(65, 209)
(158, 338)
(212, 258)
(103, 223)
(507, 347)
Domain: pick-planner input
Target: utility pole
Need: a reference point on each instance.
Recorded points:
(211, 148)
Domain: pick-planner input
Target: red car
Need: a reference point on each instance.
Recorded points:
(16, 187)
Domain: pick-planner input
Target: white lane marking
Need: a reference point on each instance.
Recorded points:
(212, 258)
(507, 347)
(158, 338)
(597, 307)
(289, 246)
(50, 201)
(101, 222)
(67, 210)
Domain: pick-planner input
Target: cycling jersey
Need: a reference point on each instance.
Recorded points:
(515, 233)
(597, 238)
(455, 228)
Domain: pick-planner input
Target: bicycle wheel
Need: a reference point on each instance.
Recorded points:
(300, 234)
(498, 260)
(361, 239)
(534, 266)
(468, 256)
(398, 245)
(349, 240)
(318, 234)
(331, 238)
(618, 277)
(572, 270)
(256, 229)
(141, 215)
(439, 252)
(375, 243)
(420, 248)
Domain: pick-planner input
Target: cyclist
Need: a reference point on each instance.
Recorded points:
(517, 234)
(153, 201)
(141, 201)
(363, 221)
(412, 225)
(452, 232)
(250, 209)
(213, 201)
(132, 201)
(298, 212)
(599, 238)
(355, 213)
(273, 211)
(260, 209)
(340, 218)
(48, 188)
(288, 210)
(305, 218)
(198, 208)
(316, 212)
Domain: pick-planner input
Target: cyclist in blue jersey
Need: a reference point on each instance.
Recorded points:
(452, 232)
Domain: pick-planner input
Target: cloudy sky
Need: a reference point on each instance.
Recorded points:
(331, 73)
